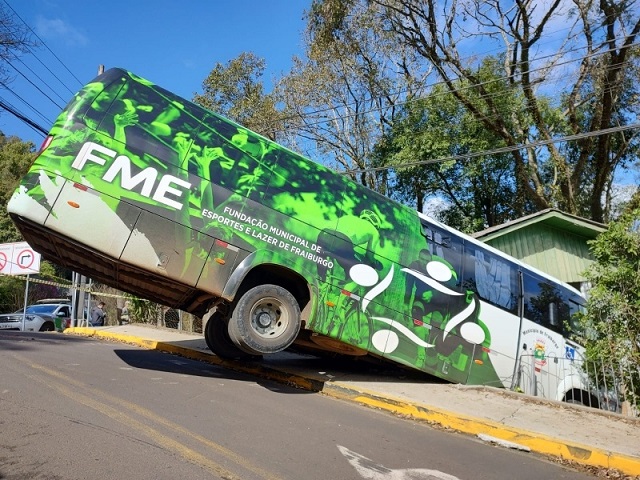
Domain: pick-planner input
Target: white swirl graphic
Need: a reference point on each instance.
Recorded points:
(472, 333)
(439, 271)
(385, 341)
(405, 331)
(378, 289)
(363, 275)
(459, 318)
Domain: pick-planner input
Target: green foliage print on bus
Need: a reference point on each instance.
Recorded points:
(215, 179)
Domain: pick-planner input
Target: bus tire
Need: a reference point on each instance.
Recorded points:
(266, 319)
(216, 335)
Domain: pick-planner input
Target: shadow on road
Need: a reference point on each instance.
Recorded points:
(285, 372)
(242, 372)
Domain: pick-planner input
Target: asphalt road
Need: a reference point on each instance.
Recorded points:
(77, 408)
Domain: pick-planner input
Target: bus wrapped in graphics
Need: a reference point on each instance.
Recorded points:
(140, 189)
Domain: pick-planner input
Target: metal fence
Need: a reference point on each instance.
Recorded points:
(171, 318)
(598, 384)
(164, 317)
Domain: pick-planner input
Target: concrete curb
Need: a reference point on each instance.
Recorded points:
(535, 442)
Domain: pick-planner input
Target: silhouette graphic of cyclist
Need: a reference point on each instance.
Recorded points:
(353, 231)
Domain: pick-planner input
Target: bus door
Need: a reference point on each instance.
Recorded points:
(547, 361)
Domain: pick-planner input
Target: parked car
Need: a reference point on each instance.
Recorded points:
(41, 317)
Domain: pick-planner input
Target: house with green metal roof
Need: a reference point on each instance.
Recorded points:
(550, 240)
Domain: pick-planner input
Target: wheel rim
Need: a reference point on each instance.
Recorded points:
(269, 319)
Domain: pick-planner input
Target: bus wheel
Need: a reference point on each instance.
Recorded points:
(216, 335)
(266, 319)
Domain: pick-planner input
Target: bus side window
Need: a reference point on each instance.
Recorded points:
(574, 328)
(554, 321)
(443, 245)
(438, 240)
(493, 278)
(95, 98)
(544, 303)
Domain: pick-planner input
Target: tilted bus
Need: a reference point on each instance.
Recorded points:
(143, 190)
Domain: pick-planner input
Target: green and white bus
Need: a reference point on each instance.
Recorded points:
(140, 189)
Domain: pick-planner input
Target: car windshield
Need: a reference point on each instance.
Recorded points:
(36, 309)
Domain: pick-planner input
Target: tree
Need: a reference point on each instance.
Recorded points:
(613, 306)
(15, 158)
(480, 191)
(594, 64)
(340, 97)
(14, 39)
(235, 91)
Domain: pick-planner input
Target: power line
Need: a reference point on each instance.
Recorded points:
(33, 79)
(24, 102)
(434, 84)
(45, 45)
(40, 78)
(26, 120)
(497, 151)
(34, 85)
(28, 48)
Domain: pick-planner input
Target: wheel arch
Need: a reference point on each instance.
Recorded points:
(580, 395)
(284, 277)
(47, 326)
(258, 269)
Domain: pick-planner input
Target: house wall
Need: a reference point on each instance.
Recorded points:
(554, 251)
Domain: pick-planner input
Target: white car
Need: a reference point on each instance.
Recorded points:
(42, 317)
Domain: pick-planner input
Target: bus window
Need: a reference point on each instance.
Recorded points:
(574, 328)
(96, 98)
(293, 190)
(493, 278)
(545, 303)
(437, 237)
(445, 245)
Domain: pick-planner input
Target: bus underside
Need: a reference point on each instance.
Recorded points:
(78, 257)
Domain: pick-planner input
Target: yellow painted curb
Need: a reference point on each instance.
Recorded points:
(581, 454)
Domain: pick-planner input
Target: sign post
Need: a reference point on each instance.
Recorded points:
(24, 309)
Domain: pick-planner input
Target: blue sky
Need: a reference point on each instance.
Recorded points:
(174, 44)
(171, 46)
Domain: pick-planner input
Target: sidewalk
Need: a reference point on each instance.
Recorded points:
(586, 436)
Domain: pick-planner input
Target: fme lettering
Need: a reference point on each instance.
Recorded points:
(122, 165)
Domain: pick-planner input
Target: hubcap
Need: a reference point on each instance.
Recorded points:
(268, 318)
(264, 319)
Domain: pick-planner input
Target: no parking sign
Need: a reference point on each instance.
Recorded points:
(18, 259)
